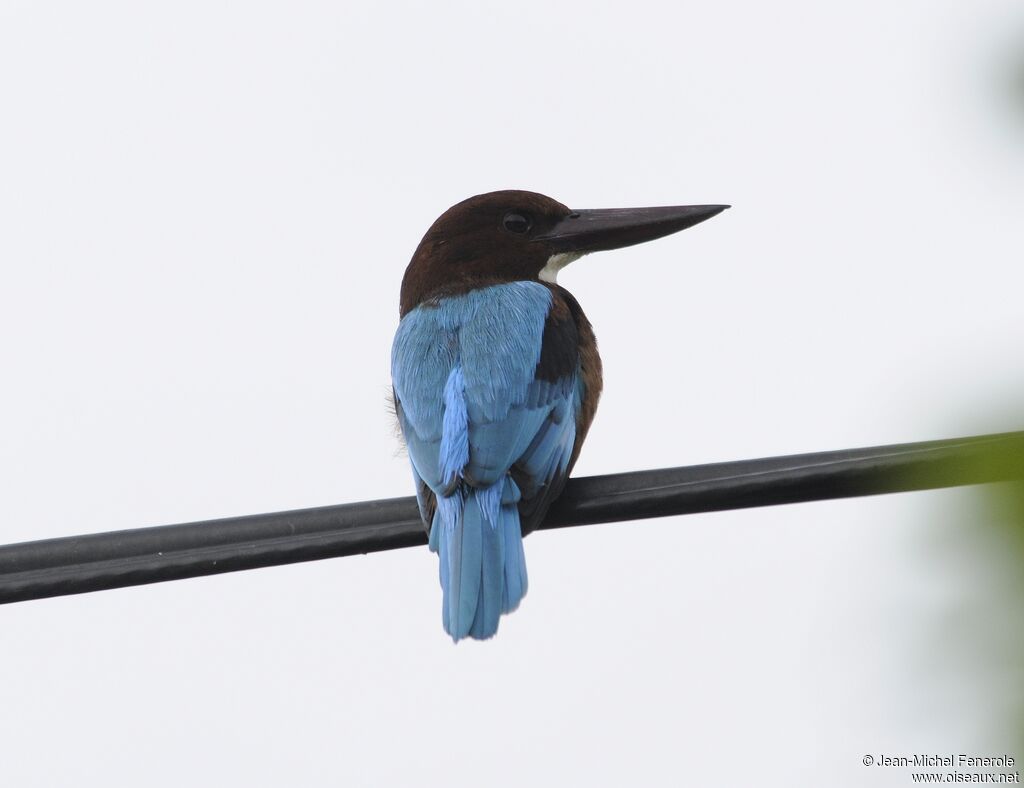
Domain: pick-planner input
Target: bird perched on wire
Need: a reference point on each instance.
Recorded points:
(496, 379)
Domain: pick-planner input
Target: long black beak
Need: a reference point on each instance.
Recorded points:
(612, 228)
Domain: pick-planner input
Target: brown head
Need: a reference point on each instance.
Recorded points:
(509, 236)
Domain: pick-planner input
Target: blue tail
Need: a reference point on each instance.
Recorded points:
(483, 567)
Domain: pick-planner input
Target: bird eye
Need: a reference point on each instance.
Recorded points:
(516, 223)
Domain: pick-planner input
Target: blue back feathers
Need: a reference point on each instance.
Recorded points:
(474, 415)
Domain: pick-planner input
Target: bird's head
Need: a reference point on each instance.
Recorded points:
(510, 236)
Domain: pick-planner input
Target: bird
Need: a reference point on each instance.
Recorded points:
(496, 379)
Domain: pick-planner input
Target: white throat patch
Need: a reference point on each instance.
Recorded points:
(549, 273)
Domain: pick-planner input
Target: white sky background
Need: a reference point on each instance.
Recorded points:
(205, 213)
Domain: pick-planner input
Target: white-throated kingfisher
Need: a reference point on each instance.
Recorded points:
(496, 379)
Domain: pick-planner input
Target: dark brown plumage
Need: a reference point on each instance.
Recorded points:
(468, 247)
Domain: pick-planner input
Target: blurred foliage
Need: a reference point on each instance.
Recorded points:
(1015, 80)
(1002, 506)
(995, 458)
(997, 524)
(978, 628)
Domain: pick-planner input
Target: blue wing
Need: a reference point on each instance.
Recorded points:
(487, 394)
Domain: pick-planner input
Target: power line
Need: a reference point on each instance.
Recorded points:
(93, 562)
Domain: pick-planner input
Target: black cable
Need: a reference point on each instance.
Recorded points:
(76, 564)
